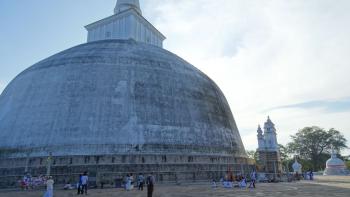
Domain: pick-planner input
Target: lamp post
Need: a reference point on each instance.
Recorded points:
(48, 164)
(27, 164)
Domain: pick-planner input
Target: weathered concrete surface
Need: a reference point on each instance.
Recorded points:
(167, 167)
(111, 97)
(114, 107)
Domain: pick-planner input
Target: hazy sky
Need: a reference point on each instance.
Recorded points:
(287, 59)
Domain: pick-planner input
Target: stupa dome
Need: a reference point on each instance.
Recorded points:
(116, 96)
(335, 162)
(335, 166)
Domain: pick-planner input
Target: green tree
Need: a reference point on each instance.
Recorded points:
(285, 158)
(314, 144)
(347, 161)
(284, 152)
(252, 154)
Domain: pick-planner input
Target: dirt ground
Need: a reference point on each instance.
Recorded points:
(322, 186)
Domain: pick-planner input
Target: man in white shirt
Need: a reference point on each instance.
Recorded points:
(84, 182)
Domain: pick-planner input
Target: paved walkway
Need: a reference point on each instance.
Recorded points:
(320, 187)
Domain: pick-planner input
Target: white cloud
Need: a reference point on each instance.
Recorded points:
(265, 54)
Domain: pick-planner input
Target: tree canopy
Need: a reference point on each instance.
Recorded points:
(252, 154)
(314, 144)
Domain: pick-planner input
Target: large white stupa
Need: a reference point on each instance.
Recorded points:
(118, 104)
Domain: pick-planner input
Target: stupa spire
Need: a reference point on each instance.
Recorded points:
(123, 5)
(333, 153)
(126, 23)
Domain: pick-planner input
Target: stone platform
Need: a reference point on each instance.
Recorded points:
(167, 167)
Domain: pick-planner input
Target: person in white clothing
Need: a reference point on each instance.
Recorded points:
(84, 183)
(49, 187)
(243, 183)
(128, 183)
(252, 179)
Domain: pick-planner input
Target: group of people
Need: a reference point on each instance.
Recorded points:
(29, 182)
(309, 175)
(82, 185)
(141, 181)
(237, 181)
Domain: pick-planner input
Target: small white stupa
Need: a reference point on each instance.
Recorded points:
(297, 167)
(335, 166)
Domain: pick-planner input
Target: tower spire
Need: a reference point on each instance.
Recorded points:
(123, 5)
(261, 142)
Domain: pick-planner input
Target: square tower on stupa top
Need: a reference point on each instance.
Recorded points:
(126, 23)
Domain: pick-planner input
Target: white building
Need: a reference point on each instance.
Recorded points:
(126, 23)
(267, 140)
(269, 156)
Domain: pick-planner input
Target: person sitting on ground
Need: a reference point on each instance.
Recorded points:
(68, 186)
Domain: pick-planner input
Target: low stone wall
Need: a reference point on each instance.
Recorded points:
(109, 168)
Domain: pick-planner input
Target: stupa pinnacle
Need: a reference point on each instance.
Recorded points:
(123, 5)
(126, 23)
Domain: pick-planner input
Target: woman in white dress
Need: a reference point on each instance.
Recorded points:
(49, 187)
(128, 183)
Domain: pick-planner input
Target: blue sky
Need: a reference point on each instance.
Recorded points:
(290, 57)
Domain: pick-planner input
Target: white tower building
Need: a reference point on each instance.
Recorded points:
(269, 156)
(126, 23)
(267, 140)
(270, 135)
